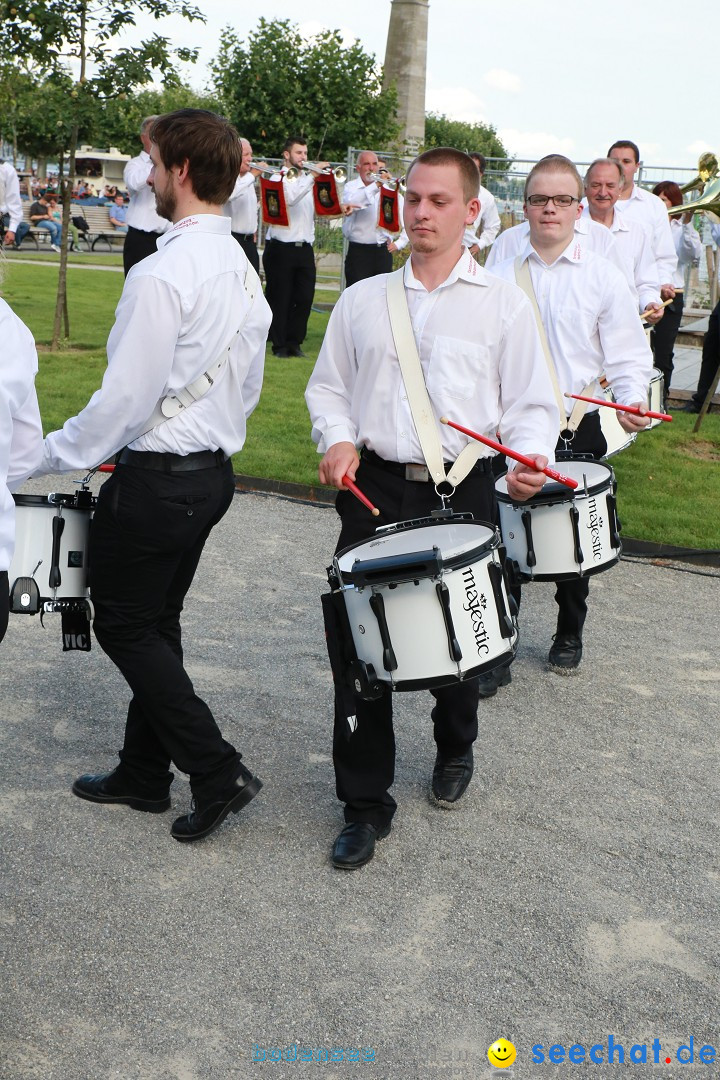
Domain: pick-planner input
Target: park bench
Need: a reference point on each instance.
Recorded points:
(100, 234)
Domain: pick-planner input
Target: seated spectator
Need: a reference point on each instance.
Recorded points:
(41, 218)
(118, 212)
(110, 191)
(56, 213)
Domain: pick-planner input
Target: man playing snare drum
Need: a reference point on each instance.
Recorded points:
(483, 367)
(592, 326)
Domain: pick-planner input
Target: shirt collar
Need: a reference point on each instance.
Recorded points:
(203, 223)
(574, 253)
(465, 269)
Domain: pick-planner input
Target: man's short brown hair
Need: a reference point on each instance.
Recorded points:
(448, 155)
(208, 143)
(554, 163)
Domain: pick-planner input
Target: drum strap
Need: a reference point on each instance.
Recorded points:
(418, 398)
(522, 276)
(175, 403)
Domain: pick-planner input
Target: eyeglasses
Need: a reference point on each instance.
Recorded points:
(558, 200)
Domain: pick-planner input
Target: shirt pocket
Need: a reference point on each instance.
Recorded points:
(458, 369)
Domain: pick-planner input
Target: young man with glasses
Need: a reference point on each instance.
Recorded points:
(591, 324)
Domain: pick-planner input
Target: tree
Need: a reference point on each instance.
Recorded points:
(440, 130)
(278, 85)
(119, 122)
(55, 33)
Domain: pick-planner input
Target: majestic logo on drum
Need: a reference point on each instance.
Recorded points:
(476, 604)
(595, 524)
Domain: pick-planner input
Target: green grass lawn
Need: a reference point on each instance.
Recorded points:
(668, 480)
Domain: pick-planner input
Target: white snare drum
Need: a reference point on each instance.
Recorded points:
(656, 395)
(616, 437)
(559, 533)
(49, 569)
(427, 603)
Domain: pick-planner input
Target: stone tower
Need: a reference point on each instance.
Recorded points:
(405, 66)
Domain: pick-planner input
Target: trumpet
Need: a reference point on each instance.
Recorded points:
(339, 173)
(267, 170)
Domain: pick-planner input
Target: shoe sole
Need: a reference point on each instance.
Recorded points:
(505, 681)
(147, 806)
(233, 807)
(357, 865)
(444, 804)
(564, 670)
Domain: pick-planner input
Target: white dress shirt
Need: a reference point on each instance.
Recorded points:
(651, 211)
(634, 242)
(688, 248)
(480, 354)
(361, 227)
(141, 211)
(20, 427)
(300, 210)
(242, 206)
(177, 314)
(10, 201)
(591, 322)
(594, 237)
(487, 225)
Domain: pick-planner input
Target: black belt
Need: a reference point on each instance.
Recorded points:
(421, 474)
(244, 235)
(151, 459)
(358, 243)
(147, 232)
(288, 243)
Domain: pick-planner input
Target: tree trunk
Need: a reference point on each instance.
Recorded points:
(66, 186)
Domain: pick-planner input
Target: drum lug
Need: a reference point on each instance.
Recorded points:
(364, 681)
(574, 520)
(526, 519)
(613, 520)
(443, 595)
(377, 606)
(495, 574)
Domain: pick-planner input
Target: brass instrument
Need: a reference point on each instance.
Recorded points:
(268, 171)
(339, 173)
(707, 170)
(708, 203)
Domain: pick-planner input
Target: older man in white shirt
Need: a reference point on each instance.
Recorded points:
(591, 324)
(185, 364)
(242, 206)
(482, 364)
(370, 247)
(604, 181)
(144, 224)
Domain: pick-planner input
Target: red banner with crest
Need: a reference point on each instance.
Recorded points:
(325, 196)
(272, 197)
(389, 210)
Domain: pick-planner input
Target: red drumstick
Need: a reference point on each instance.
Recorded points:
(352, 486)
(621, 408)
(106, 468)
(552, 473)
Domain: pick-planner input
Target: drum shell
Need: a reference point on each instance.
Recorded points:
(616, 437)
(34, 516)
(656, 396)
(416, 623)
(553, 537)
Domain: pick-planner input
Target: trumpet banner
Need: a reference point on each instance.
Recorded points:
(389, 210)
(325, 196)
(272, 197)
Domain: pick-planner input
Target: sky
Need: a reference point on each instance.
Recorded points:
(550, 76)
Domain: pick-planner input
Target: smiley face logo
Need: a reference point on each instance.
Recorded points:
(501, 1054)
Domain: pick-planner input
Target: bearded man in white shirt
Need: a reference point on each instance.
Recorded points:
(189, 344)
(591, 323)
(482, 363)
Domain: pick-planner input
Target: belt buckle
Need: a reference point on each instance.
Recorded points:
(417, 473)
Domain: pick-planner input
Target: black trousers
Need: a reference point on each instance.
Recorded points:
(364, 758)
(571, 596)
(4, 602)
(710, 357)
(662, 339)
(365, 261)
(138, 245)
(146, 538)
(250, 248)
(289, 290)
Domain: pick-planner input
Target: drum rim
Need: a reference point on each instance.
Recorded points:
(549, 492)
(54, 500)
(451, 563)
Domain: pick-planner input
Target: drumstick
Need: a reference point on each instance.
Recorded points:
(552, 473)
(621, 408)
(352, 486)
(650, 311)
(106, 468)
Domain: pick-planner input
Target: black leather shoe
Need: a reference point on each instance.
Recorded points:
(691, 406)
(296, 351)
(107, 788)
(355, 845)
(490, 681)
(207, 814)
(451, 777)
(282, 353)
(566, 654)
